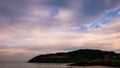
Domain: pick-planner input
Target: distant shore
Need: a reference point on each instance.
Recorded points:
(81, 57)
(110, 63)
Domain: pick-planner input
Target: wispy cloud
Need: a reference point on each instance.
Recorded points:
(32, 27)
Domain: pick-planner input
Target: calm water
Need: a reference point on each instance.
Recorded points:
(42, 65)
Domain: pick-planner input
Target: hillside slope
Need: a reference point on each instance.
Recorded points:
(75, 56)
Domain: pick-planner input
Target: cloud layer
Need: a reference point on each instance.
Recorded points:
(32, 27)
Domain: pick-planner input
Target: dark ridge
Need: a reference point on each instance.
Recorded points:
(76, 56)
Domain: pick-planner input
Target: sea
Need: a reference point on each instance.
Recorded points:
(45, 65)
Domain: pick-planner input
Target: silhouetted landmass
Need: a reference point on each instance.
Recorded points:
(76, 56)
(99, 62)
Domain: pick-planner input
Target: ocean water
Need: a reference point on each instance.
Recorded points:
(43, 65)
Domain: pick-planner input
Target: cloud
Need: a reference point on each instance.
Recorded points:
(57, 3)
(110, 28)
(25, 13)
(32, 27)
(96, 7)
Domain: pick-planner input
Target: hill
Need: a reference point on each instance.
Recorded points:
(75, 56)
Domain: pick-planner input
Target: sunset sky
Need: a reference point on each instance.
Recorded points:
(33, 27)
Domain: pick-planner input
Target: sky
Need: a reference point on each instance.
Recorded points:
(32, 27)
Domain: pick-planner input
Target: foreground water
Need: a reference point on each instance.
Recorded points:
(42, 65)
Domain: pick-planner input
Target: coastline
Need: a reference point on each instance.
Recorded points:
(114, 63)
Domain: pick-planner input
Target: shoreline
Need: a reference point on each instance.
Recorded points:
(97, 63)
